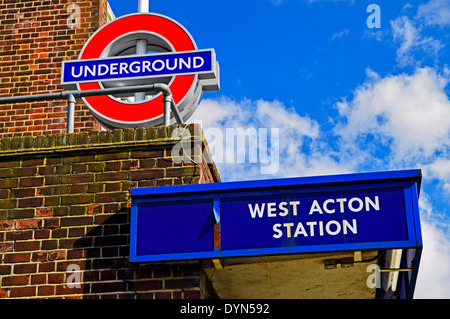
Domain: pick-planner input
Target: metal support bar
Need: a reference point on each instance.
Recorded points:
(143, 6)
(72, 95)
(176, 113)
(141, 49)
(167, 103)
(70, 113)
(141, 45)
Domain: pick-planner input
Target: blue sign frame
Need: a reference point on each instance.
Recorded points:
(211, 196)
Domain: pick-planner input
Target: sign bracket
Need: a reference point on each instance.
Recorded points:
(72, 95)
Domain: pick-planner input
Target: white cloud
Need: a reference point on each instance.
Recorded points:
(412, 41)
(301, 148)
(433, 279)
(435, 12)
(339, 34)
(408, 114)
(376, 34)
(440, 169)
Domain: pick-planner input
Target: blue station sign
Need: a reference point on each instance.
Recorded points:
(280, 216)
(139, 67)
(327, 217)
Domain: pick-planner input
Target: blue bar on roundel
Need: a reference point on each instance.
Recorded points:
(151, 65)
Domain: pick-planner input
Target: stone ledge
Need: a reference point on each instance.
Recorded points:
(44, 144)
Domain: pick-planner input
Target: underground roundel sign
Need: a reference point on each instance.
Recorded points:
(141, 49)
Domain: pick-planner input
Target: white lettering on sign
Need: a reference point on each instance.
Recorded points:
(314, 228)
(272, 210)
(355, 204)
(123, 68)
(318, 207)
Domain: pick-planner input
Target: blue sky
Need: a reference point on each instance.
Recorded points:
(345, 97)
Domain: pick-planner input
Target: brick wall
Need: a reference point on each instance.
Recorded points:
(64, 203)
(35, 37)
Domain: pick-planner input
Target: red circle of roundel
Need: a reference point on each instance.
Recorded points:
(178, 37)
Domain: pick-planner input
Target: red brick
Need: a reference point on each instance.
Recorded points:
(28, 224)
(52, 180)
(33, 162)
(117, 176)
(94, 209)
(16, 257)
(192, 294)
(6, 225)
(31, 181)
(146, 285)
(42, 233)
(38, 279)
(77, 179)
(39, 256)
(146, 174)
(148, 163)
(113, 156)
(51, 201)
(47, 266)
(142, 154)
(4, 193)
(6, 172)
(27, 171)
(4, 293)
(66, 290)
(76, 221)
(22, 292)
(108, 287)
(9, 183)
(56, 255)
(15, 280)
(23, 192)
(112, 166)
(163, 295)
(25, 268)
(181, 171)
(76, 199)
(43, 212)
(8, 203)
(131, 164)
(181, 283)
(30, 202)
(113, 187)
(50, 223)
(48, 290)
(111, 197)
(55, 278)
(6, 247)
(27, 245)
(20, 213)
(164, 162)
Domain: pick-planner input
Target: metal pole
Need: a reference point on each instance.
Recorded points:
(70, 113)
(64, 95)
(167, 104)
(143, 6)
(141, 46)
(141, 49)
(175, 112)
(72, 95)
